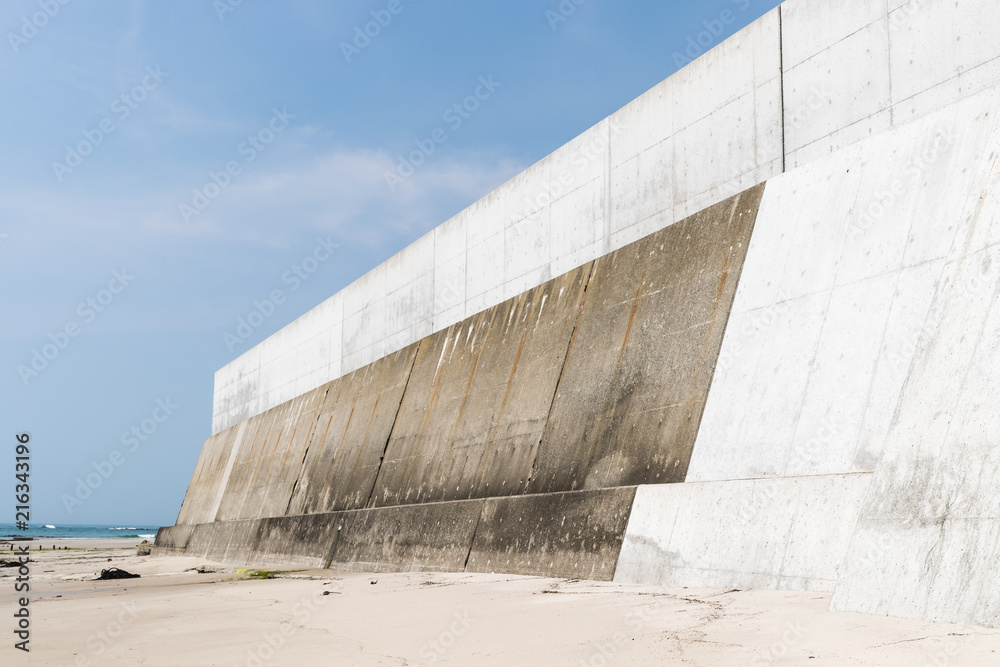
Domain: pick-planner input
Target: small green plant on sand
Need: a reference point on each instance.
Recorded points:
(257, 574)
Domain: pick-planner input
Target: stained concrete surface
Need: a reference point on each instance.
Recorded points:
(577, 535)
(645, 346)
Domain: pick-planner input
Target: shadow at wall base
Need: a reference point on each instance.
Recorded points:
(576, 534)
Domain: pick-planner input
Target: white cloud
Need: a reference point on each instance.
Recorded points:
(345, 192)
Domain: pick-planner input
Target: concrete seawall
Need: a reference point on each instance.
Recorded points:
(521, 407)
(789, 388)
(805, 80)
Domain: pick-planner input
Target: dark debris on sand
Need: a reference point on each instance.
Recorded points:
(115, 573)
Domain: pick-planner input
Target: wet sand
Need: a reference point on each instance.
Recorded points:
(173, 616)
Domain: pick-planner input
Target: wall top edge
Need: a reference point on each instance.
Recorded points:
(683, 71)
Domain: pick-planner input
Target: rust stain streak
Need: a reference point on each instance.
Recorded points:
(592, 268)
(291, 440)
(510, 379)
(631, 316)
(472, 375)
(430, 406)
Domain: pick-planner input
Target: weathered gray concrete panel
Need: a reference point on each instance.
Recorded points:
(269, 461)
(172, 540)
(478, 397)
(353, 427)
(409, 538)
(209, 478)
(295, 540)
(576, 534)
(645, 347)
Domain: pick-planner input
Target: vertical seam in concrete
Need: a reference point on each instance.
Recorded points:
(305, 452)
(472, 376)
(607, 194)
(624, 533)
(781, 83)
(472, 542)
(224, 481)
(569, 350)
(888, 64)
(388, 439)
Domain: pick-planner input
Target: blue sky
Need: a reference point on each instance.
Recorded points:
(114, 114)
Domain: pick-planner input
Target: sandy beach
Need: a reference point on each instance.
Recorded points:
(175, 615)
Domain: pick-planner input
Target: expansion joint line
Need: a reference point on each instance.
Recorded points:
(562, 371)
(472, 542)
(305, 452)
(781, 83)
(388, 439)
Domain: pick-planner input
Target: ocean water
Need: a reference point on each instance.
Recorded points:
(37, 530)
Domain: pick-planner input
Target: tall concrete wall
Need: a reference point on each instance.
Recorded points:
(927, 540)
(790, 388)
(806, 79)
(511, 441)
(846, 439)
(521, 398)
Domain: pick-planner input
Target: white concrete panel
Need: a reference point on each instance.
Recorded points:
(578, 219)
(968, 82)
(929, 528)
(853, 94)
(833, 294)
(726, 73)
(527, 195)
(788, 533)
(485, 267)
(863, 129)
(812, 26)
(645, 122)
(963, 34)
(410, 263)
(450, 239)
(749, 422)
(526, 247)
(449, 284)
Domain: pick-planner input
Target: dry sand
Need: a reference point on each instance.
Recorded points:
(175, 617)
